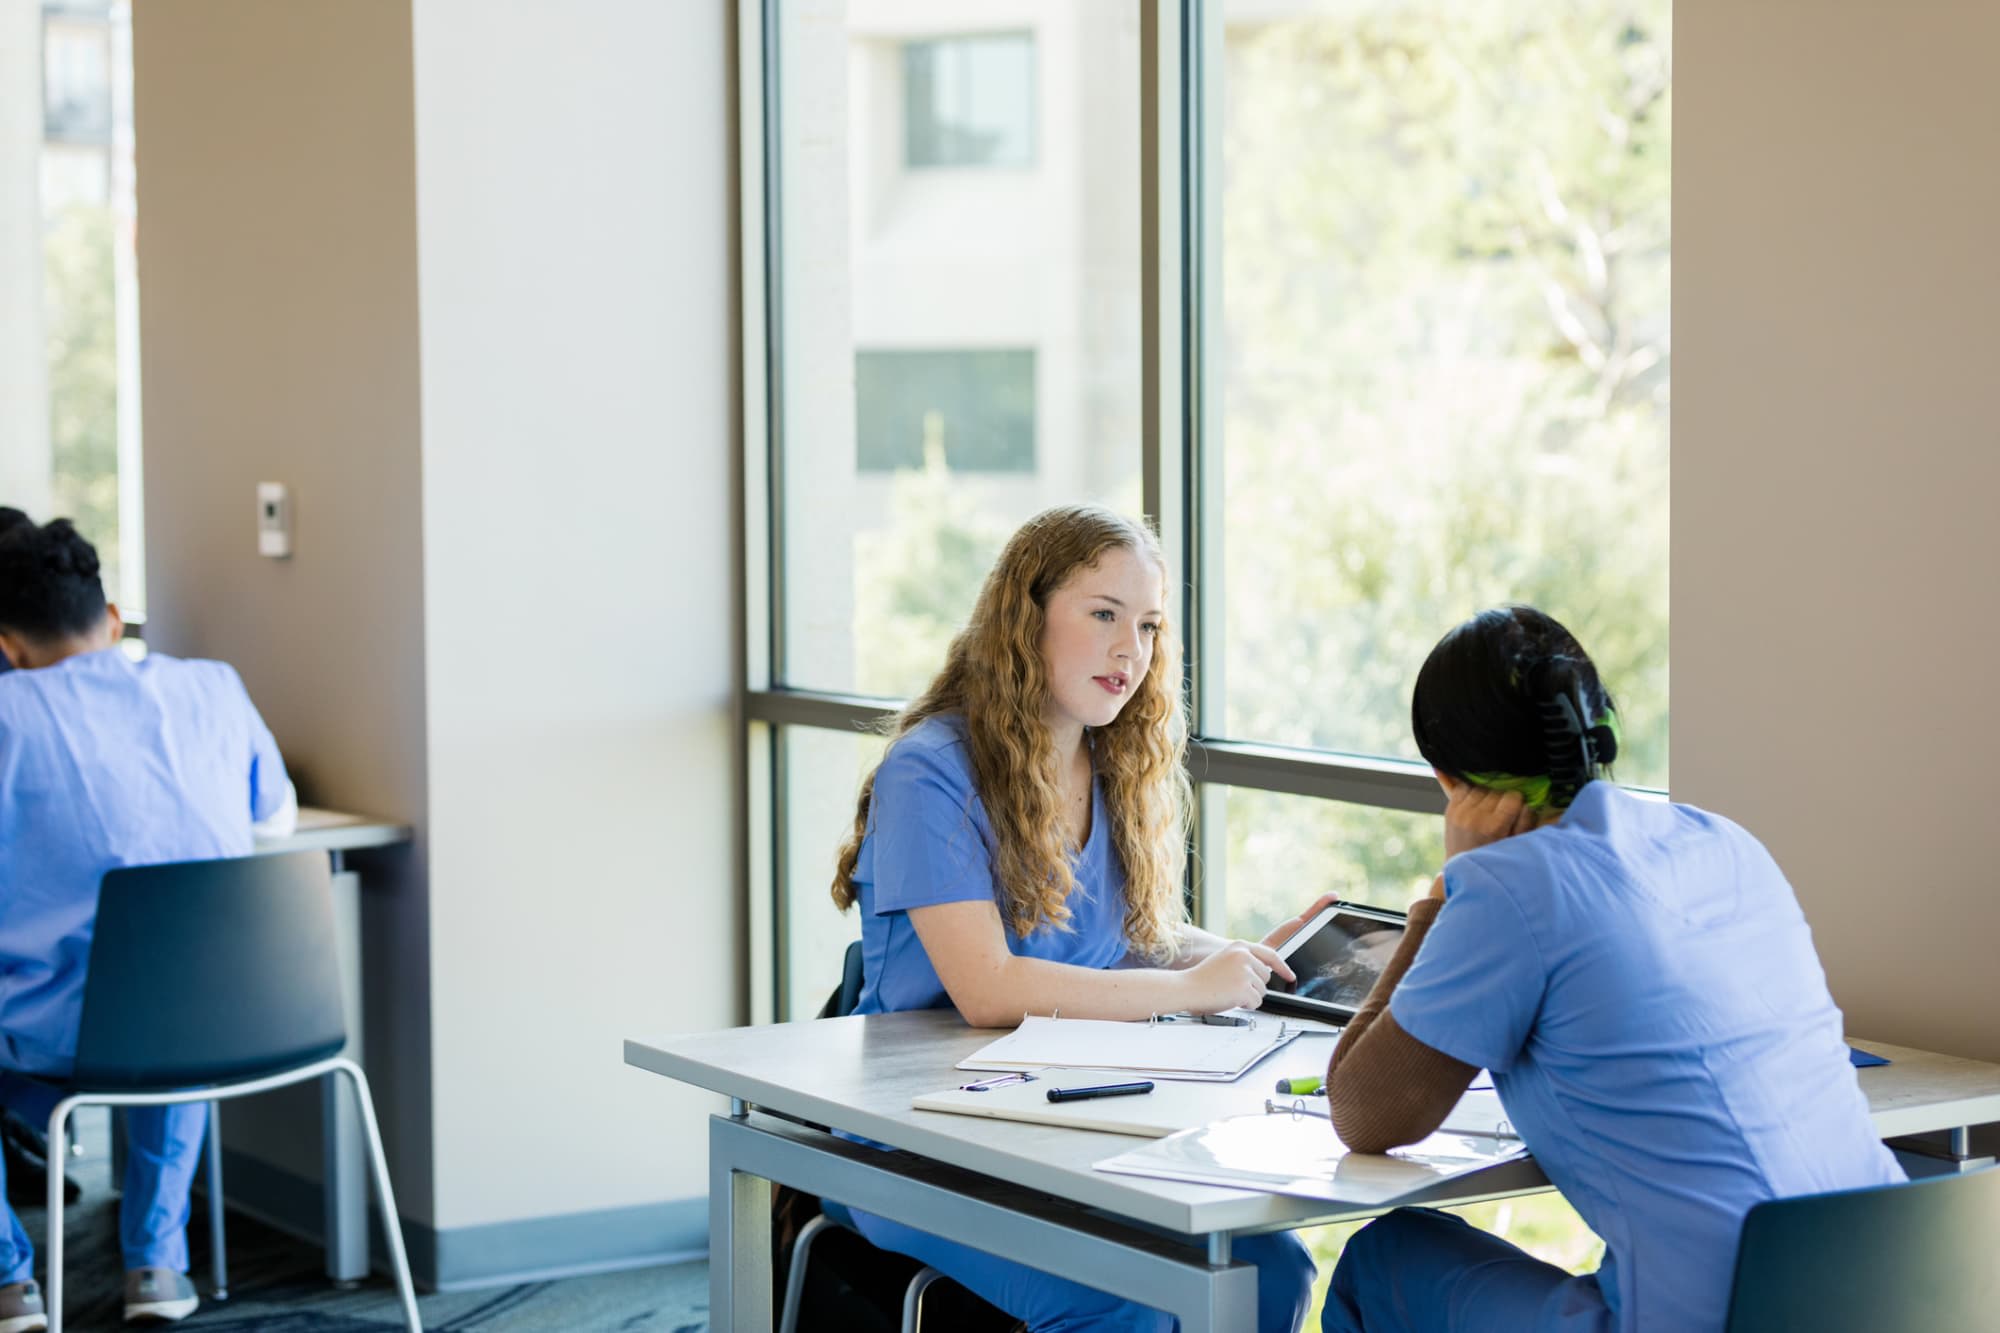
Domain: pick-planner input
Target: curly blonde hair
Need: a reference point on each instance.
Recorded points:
(994, 676)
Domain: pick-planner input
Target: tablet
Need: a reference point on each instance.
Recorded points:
(1337, 956)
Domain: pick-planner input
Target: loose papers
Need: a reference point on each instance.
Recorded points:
(1299, 1155)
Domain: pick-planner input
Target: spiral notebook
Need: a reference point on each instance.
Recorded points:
(1170, 1050)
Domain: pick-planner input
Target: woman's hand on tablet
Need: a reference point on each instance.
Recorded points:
(1284, 930)
(1234, 976)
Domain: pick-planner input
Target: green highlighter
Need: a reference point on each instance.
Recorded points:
(1301, 1087)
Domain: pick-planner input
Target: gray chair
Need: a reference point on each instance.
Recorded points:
(211, 980)
(1915, 1256)
(838, 1005)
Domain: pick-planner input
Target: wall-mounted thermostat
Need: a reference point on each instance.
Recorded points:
(274, 519)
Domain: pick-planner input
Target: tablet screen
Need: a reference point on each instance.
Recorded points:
(1338, 963)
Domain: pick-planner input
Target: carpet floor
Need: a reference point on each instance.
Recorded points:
(278, 1284)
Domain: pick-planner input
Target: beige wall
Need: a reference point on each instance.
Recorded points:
(279, 343)
(462, 276)
(1836, 460)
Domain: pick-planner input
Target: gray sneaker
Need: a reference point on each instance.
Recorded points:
(157, 1296)
(21, 1308)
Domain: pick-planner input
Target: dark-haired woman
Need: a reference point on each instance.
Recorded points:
(1641, 982)
(104, 762)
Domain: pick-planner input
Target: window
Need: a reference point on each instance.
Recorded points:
(1398, 350)
(969, 101)
(955, 350)
(69, 424)
(1443, 352)
(822, 774)
(1407, 327)
(976, 409)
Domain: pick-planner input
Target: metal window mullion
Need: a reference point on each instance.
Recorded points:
(781, 875)
(1165, 331)
(759, 564)
(1163, 412)
(771, 125)
(1203, 478)
(826, 711)
(763, 897)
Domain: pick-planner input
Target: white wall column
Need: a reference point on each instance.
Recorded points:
(24, 355)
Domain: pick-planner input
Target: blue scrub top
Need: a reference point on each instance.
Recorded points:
(1642, 984)
(928, 841)
(106, 762)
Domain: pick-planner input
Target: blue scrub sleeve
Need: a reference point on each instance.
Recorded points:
(1478, 980)
(268, 779)
(927, 847)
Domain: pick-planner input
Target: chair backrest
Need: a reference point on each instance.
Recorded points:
(848, 994)
(1915, 1256)
(209, 971)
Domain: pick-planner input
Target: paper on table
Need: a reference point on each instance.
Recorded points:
(1161, 1050)
(1282, 1154)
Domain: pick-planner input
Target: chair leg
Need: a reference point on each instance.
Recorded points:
(218, 1252)
(795, 1276)
(385, 1194)
(58, 1127)
(913, 1297)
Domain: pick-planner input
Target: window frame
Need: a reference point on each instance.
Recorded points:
(1181, 42)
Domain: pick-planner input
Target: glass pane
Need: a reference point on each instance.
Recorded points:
(960, 348)
(969, 101)
(1444, 353)
(823, 772)
(1284, 851)
(75, 452)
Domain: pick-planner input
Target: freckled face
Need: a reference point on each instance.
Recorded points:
(1098, 632)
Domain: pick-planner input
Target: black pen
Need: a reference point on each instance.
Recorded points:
(1101, 1090)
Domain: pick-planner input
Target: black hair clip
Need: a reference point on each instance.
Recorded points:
(1603, 743)
(1568, 743)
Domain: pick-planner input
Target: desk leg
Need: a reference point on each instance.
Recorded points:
(739, 1245)
(1231, 1293)
(343, 1150)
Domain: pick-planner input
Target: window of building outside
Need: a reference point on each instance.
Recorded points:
(975, 408)
(69, 418)
(969, 101)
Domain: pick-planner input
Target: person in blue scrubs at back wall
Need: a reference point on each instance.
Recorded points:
(1641, 982)
(105, 762)
(1020, 847)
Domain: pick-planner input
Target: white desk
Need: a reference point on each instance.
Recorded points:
(1027, 1191)
(268, 1128)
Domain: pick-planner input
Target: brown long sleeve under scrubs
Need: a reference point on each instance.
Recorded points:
(1385, 1088)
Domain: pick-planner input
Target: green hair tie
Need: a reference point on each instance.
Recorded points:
(1534, 792)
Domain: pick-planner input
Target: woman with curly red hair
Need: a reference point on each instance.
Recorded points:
(1021, 848)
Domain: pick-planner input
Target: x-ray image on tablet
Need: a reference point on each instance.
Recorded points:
(1337, 956)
